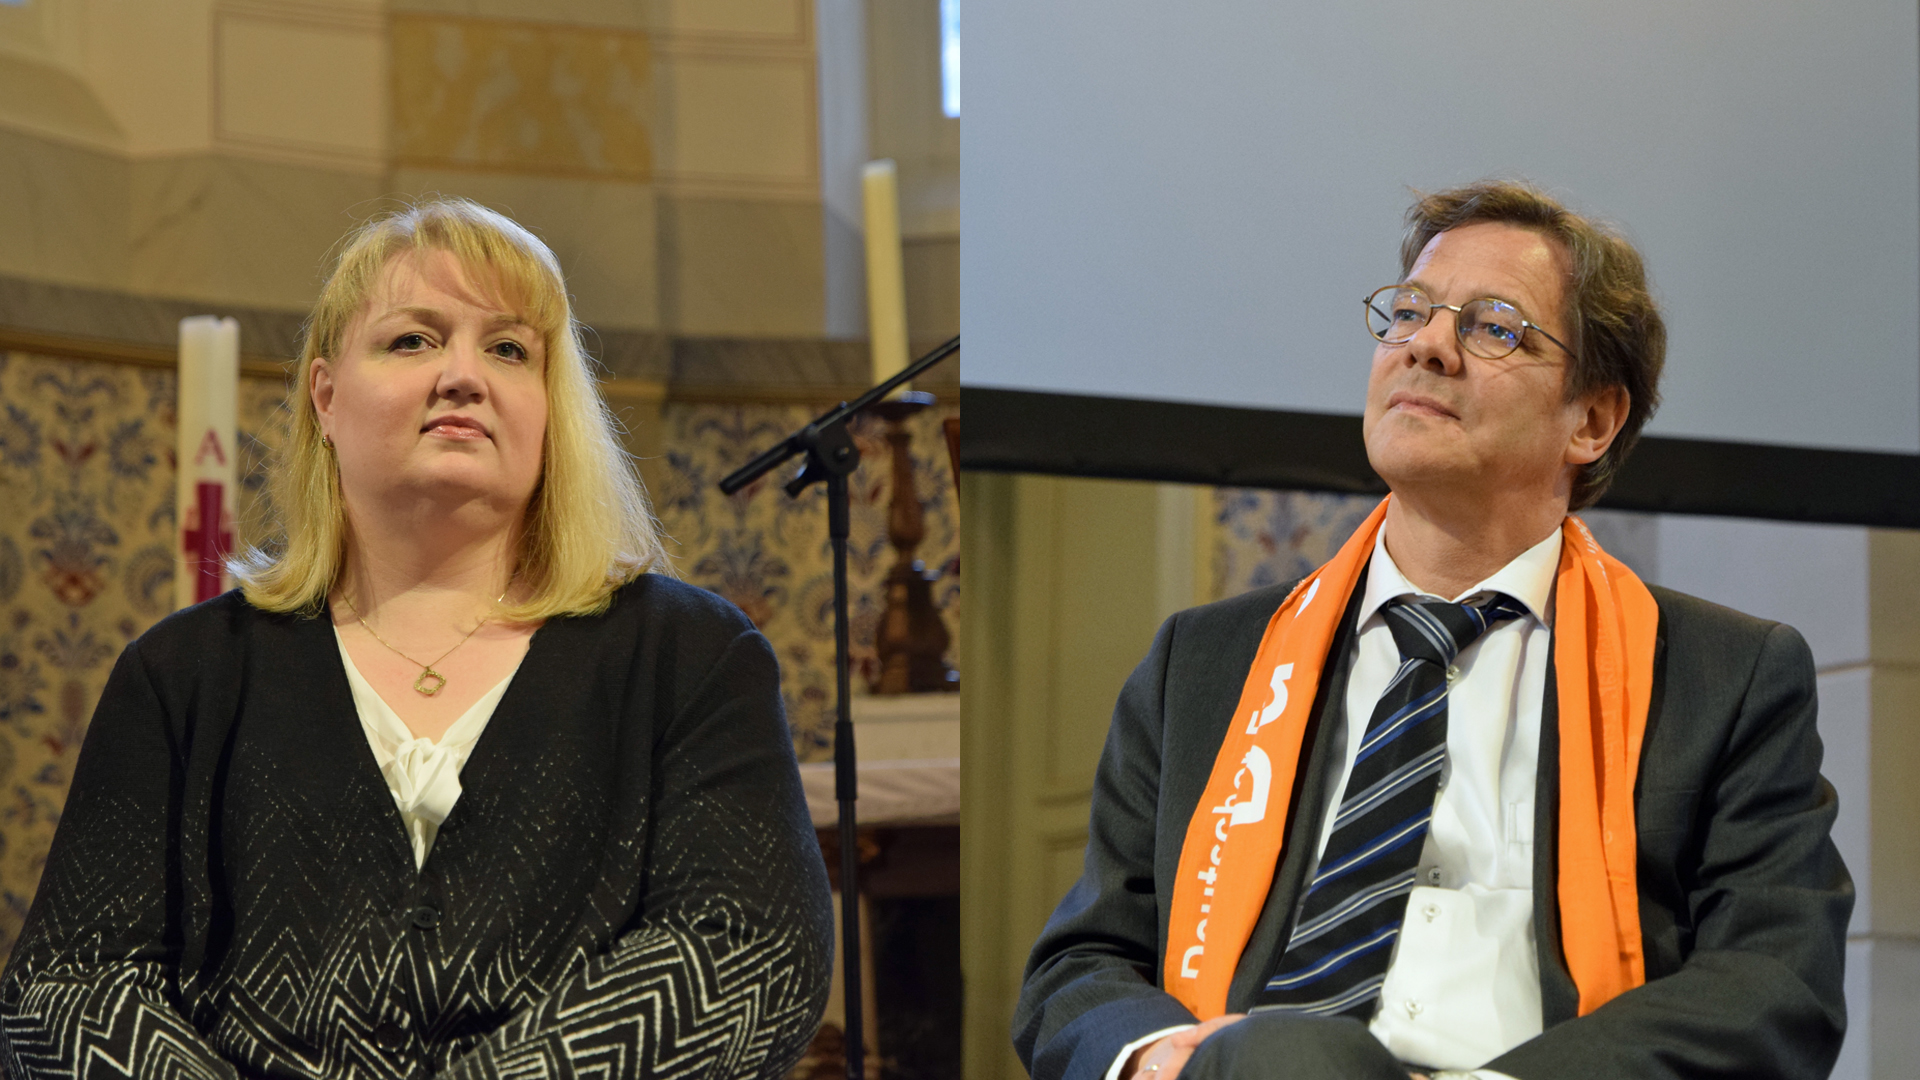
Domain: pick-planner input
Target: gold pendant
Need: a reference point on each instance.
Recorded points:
(439, 681)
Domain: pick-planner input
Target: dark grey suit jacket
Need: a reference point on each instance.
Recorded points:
(1743, 898)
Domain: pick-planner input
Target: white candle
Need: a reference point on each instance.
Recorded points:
(205, 489)
(886, 287)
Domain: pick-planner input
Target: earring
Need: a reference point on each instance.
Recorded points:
(326, 441)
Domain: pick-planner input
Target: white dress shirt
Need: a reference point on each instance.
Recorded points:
(423, 775)
(1463, 984)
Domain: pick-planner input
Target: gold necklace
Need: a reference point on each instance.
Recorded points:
(426, 670)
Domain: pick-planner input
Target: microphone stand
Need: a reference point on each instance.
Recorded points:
(831, 456)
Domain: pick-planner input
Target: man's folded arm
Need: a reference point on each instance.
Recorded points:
(1091, 985)
(1759, 993)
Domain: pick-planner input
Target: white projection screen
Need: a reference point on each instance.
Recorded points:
(1186, 202)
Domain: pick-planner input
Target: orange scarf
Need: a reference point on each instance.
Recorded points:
(1603, 638)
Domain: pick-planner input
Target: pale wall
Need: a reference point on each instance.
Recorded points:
(670, 151)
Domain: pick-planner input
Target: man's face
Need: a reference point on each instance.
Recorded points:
(1442, 420)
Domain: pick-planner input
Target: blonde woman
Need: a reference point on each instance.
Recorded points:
(452, 786)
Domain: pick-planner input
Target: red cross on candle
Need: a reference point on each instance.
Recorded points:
(206, 544)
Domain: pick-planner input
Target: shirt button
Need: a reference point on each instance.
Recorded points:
(389, 1036)
(1433, 875)
(1453, 673)
(426, 918)
(1413, 1007)
(1431, 911)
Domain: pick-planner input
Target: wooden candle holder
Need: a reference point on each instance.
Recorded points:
(911, 639)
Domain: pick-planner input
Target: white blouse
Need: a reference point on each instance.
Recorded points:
(424, 776)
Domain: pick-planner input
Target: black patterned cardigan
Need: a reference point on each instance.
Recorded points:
(628, 886)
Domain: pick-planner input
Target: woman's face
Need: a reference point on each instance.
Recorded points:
(439, 392)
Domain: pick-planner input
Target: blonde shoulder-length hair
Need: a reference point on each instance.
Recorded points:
(588, 527)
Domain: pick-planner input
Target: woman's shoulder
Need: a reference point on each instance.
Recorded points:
(203, 629)
(660, 615)
(652, 623)
(658, 600)
(206, 647)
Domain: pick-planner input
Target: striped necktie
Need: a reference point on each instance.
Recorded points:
(1337, 958)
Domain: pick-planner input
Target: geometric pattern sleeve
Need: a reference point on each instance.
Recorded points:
(100, 1002)
(726, 971)
(106, 1020)
(665, 1002)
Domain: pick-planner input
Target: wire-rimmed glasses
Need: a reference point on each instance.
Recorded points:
(1487, 328)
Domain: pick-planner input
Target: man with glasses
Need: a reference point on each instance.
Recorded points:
(1471, 799)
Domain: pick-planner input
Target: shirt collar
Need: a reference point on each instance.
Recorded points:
(1528, 578)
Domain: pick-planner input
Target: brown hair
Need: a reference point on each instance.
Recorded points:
(588, 528)
(1618, 337)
